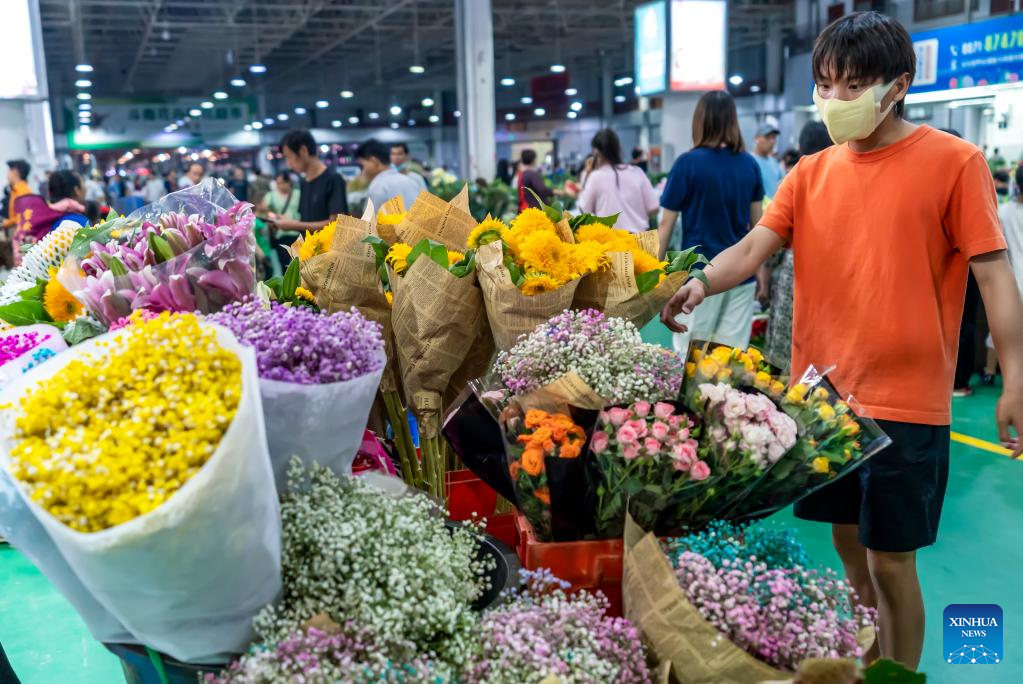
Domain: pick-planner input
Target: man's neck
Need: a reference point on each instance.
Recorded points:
(316, 167)
(892, 130)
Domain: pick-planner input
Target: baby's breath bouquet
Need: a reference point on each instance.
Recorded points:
(390, 564)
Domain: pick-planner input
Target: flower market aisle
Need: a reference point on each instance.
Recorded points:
(974, 561)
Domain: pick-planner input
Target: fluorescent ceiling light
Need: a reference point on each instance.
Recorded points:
(510, 116)
(282, 117)
(195, 112)
(735, 79)
(322, 104)
(427, 102)
(300, 110)
(336, 123)
(238, 82)
(207, 105)
(347, 94)
(557, 68)
(526, 99)
(83, 68)
(353, 120)
(257, 68)
(83, 83)
(417, 69)
(539, 111)
(507, 81)
(257, 124)
(84, 96)
(395, 110)
(571, 92)
(220, 95)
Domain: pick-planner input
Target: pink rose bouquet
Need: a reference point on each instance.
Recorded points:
(646, 458)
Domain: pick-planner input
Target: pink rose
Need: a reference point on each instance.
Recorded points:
(618, 415)
(700, 471)
(683, 465)
(659, 430)
(639, 426)
(604, 418)
(685, 450)
(599, 442)
(631, 452)
(641, 408)
(676, 421)
(627, 435)
(663, 410)
(651, 445)
(683, 433)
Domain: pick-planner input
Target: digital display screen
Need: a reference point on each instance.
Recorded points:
(651, 46)
(698, 44)
(18, 77)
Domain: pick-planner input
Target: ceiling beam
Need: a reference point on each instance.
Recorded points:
(154, 8)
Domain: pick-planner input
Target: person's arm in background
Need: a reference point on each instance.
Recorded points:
(756, 212)
(534, 180)
(672, 200)
(1004, 310)
(664, 230)
(587, 201)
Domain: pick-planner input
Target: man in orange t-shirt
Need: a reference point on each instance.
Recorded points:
(884, 229)
(17, 178)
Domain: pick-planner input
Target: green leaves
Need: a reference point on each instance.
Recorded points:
(645, 282)
(283, 288)
(587, 219)
(380, 248)
(103, 233)
(434, 250)
(24, 313)
(81, 329)
(465, 266)
(291, 281)
(160, 247)
(890, 672)
(685, 260)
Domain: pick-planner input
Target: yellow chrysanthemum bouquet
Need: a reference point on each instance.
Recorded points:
(636, 285)
(438, 321)
(530, 269)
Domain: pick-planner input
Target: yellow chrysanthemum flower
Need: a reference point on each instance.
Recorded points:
(491, 230)
(529, 222)
(390, 219)
(317, 243)
(587, 257)
(454, 257)
(543, 252)
(305, 294)
(821, 465)
(538, 284)
(60, 304)
(397, 257)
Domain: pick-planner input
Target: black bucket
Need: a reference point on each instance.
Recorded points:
(145, 666)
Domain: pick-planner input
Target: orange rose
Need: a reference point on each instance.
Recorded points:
(543, 495)
(515, 468)
(569, 451)
(532, 461)
(535, 417)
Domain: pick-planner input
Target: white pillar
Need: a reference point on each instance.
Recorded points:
(474, 38)
(677, 125)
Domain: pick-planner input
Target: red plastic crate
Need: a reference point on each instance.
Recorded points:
(469, 496)
(586, 565)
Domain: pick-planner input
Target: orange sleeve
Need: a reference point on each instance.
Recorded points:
(971, 218)
(779, 214)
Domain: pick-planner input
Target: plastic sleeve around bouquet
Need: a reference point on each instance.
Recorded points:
(187, 578)
(837, 437)
(317, 423)
(205, 198)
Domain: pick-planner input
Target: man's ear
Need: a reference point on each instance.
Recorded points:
(901, 87)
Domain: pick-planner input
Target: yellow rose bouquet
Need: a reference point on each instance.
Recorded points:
(142, 455)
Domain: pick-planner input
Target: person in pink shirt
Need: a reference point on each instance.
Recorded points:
(614, 187)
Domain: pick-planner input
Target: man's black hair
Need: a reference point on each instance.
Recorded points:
(528, 157)
(296, 139)
(814, 138)
(403, 146)
(21, 166)
(63, 184)
(864, 45)
(637, 153)
(284, 176)
(374, 149)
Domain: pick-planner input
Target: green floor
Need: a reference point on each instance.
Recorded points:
(978, 559)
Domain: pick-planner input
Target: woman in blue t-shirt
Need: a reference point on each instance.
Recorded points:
(717, 189)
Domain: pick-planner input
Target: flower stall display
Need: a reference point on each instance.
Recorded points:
(646, 459)
(607, 353)
(727, 612)
(530, 270)
(318, 375)
(390, 564)
(142, 455)
(543, 634)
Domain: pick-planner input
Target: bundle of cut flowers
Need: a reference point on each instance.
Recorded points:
(646, 457)
(37, 263)
(389, 564)
(179, 263)
(109, 439)
(765, 601)
(533, 439)
(544, 634)
(336, 653)
(607, 353)
(318, 372)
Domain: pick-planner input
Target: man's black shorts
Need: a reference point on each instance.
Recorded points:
(896, 496)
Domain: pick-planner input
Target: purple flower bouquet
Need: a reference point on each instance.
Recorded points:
(179, 263)
(318, 375)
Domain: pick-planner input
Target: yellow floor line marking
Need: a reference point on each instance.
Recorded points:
(980, 444)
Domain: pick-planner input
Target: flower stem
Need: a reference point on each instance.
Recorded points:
(398, 418)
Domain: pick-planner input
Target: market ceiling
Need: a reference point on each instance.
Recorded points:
(315, 49)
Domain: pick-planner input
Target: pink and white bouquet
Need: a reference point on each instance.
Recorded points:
(646, 457)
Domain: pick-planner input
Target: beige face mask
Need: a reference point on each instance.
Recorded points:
(853, 119)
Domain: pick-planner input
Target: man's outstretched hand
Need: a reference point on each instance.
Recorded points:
(688, 297)
(1009, 416)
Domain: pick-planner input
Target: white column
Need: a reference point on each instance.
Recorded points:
(474, 38)
(677, 125)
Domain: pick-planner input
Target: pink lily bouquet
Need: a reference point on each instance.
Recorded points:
(179, 263)
(647, 460)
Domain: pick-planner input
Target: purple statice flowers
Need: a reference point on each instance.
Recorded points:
(543, 632)
(608, 353)
(299, 345)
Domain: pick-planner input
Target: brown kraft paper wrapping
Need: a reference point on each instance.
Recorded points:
(346, 276)
(510, 312)
(673, 628)
(448, 223)
(476, 364)
(395, 205)
(614, 290)
(437, 317)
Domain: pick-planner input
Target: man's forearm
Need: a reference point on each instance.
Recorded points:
(741, 261)
(1004, 311)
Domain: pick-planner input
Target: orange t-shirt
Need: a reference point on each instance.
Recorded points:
(881, 243)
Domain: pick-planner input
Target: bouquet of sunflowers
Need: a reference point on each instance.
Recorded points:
(530, 270)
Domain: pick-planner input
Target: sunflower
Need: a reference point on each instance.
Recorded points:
(588, 256)
(543, 252)
(529, 222)
(538, 283)
(317, 243)
(454, 257)
(390, 219)
(389, 296)
(491, 230)
(397, 257)
(58, 302)
(644, 262)
(305, 294)
(598, 232)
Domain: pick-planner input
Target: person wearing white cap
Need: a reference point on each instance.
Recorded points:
(763, 151)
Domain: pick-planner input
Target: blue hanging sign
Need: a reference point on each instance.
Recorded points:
(985, 53)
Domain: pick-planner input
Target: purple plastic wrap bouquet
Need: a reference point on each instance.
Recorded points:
(179, 263)
(318, 374)
(544, 633)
